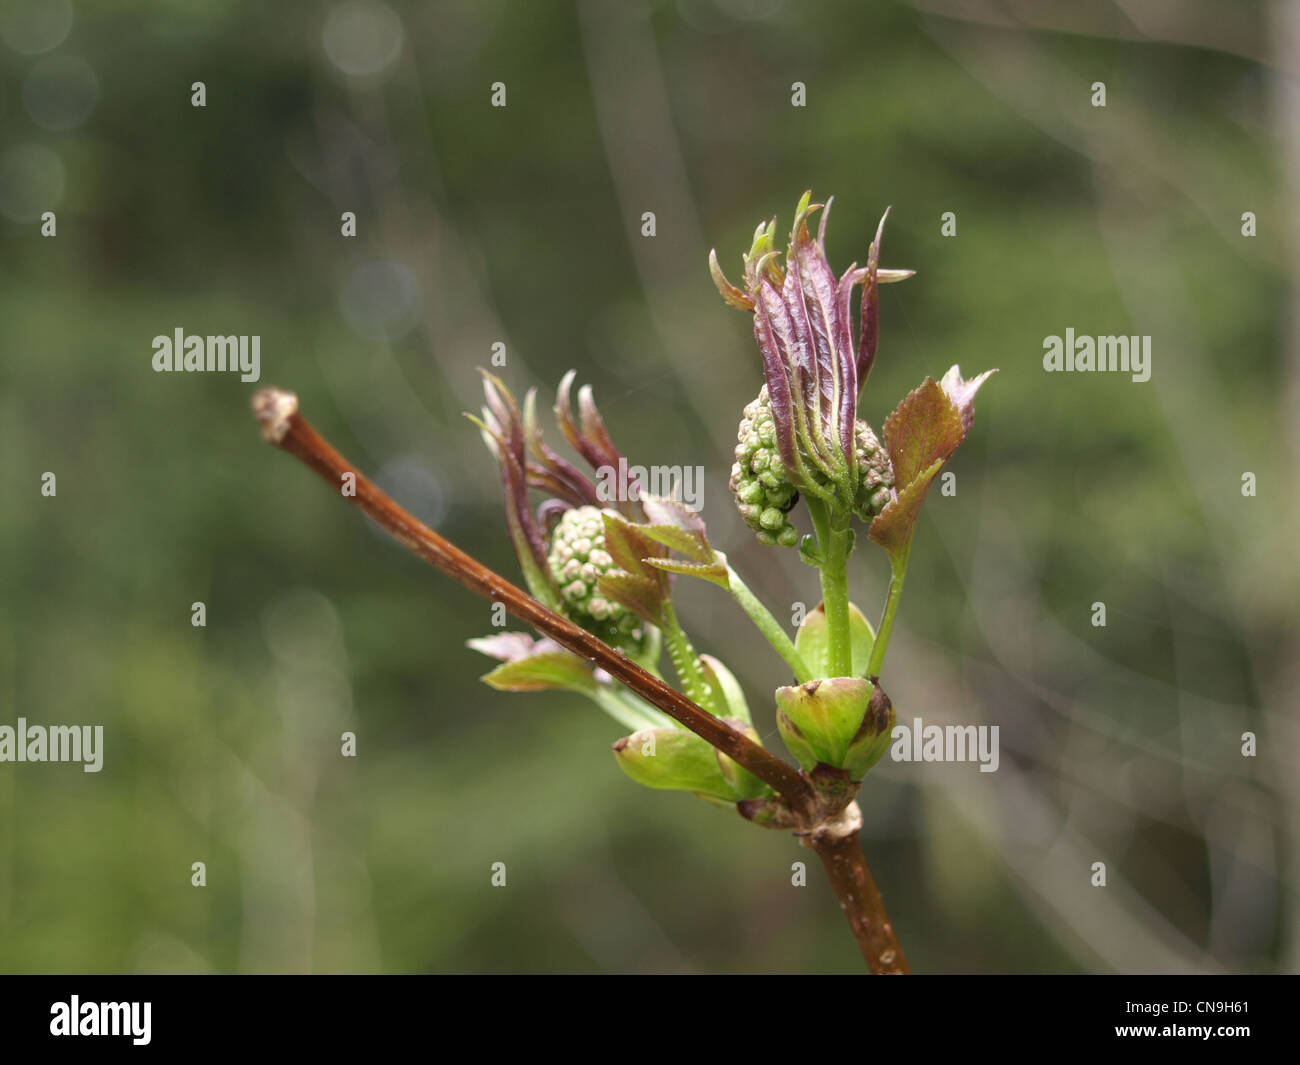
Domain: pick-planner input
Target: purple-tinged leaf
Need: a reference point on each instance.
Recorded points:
(687, 534)
(511, 646)
(733, 296)
(641, 595)
(549, 512)
(664, 510)
(564, 418)
(593, 427)
(924, 427)
(830, 339)
(802, 358)
(869, 321)
(811, 365)
(677, 539)
(531, 664)
(541, 478)
(507, 444)
(892, 527)
(565, 480)
(709, 571)
(920, 436)
(780, 390)
(961, 392)
(628, 545)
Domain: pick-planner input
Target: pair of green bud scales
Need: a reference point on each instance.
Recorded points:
(842, 724)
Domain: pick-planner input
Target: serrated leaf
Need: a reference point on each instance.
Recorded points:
(920, 436)
(661, 510)
(627, 546)
(679, 540)
(813, 641)
(542, 672)
(892, 527)
(924, 427)
(710, 571)
(674, 524)
(641, 595)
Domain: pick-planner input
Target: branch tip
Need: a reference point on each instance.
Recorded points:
(274, 409)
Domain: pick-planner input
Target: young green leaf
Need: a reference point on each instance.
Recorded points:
(709, 571)
(549, 670)
(728, 696)
(675, 760)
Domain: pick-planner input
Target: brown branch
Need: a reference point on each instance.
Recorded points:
(840, 850)
(283, 426)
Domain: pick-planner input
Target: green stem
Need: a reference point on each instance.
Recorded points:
(821, 523)
(685, 661)
(834, 539)
(898, 570)
(768, 626)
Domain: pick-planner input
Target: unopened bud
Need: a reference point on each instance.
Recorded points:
(675, 760)
(820, 720)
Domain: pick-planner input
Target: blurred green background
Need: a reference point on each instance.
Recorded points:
(523, 225)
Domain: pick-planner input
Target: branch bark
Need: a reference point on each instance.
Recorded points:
(840, 851)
